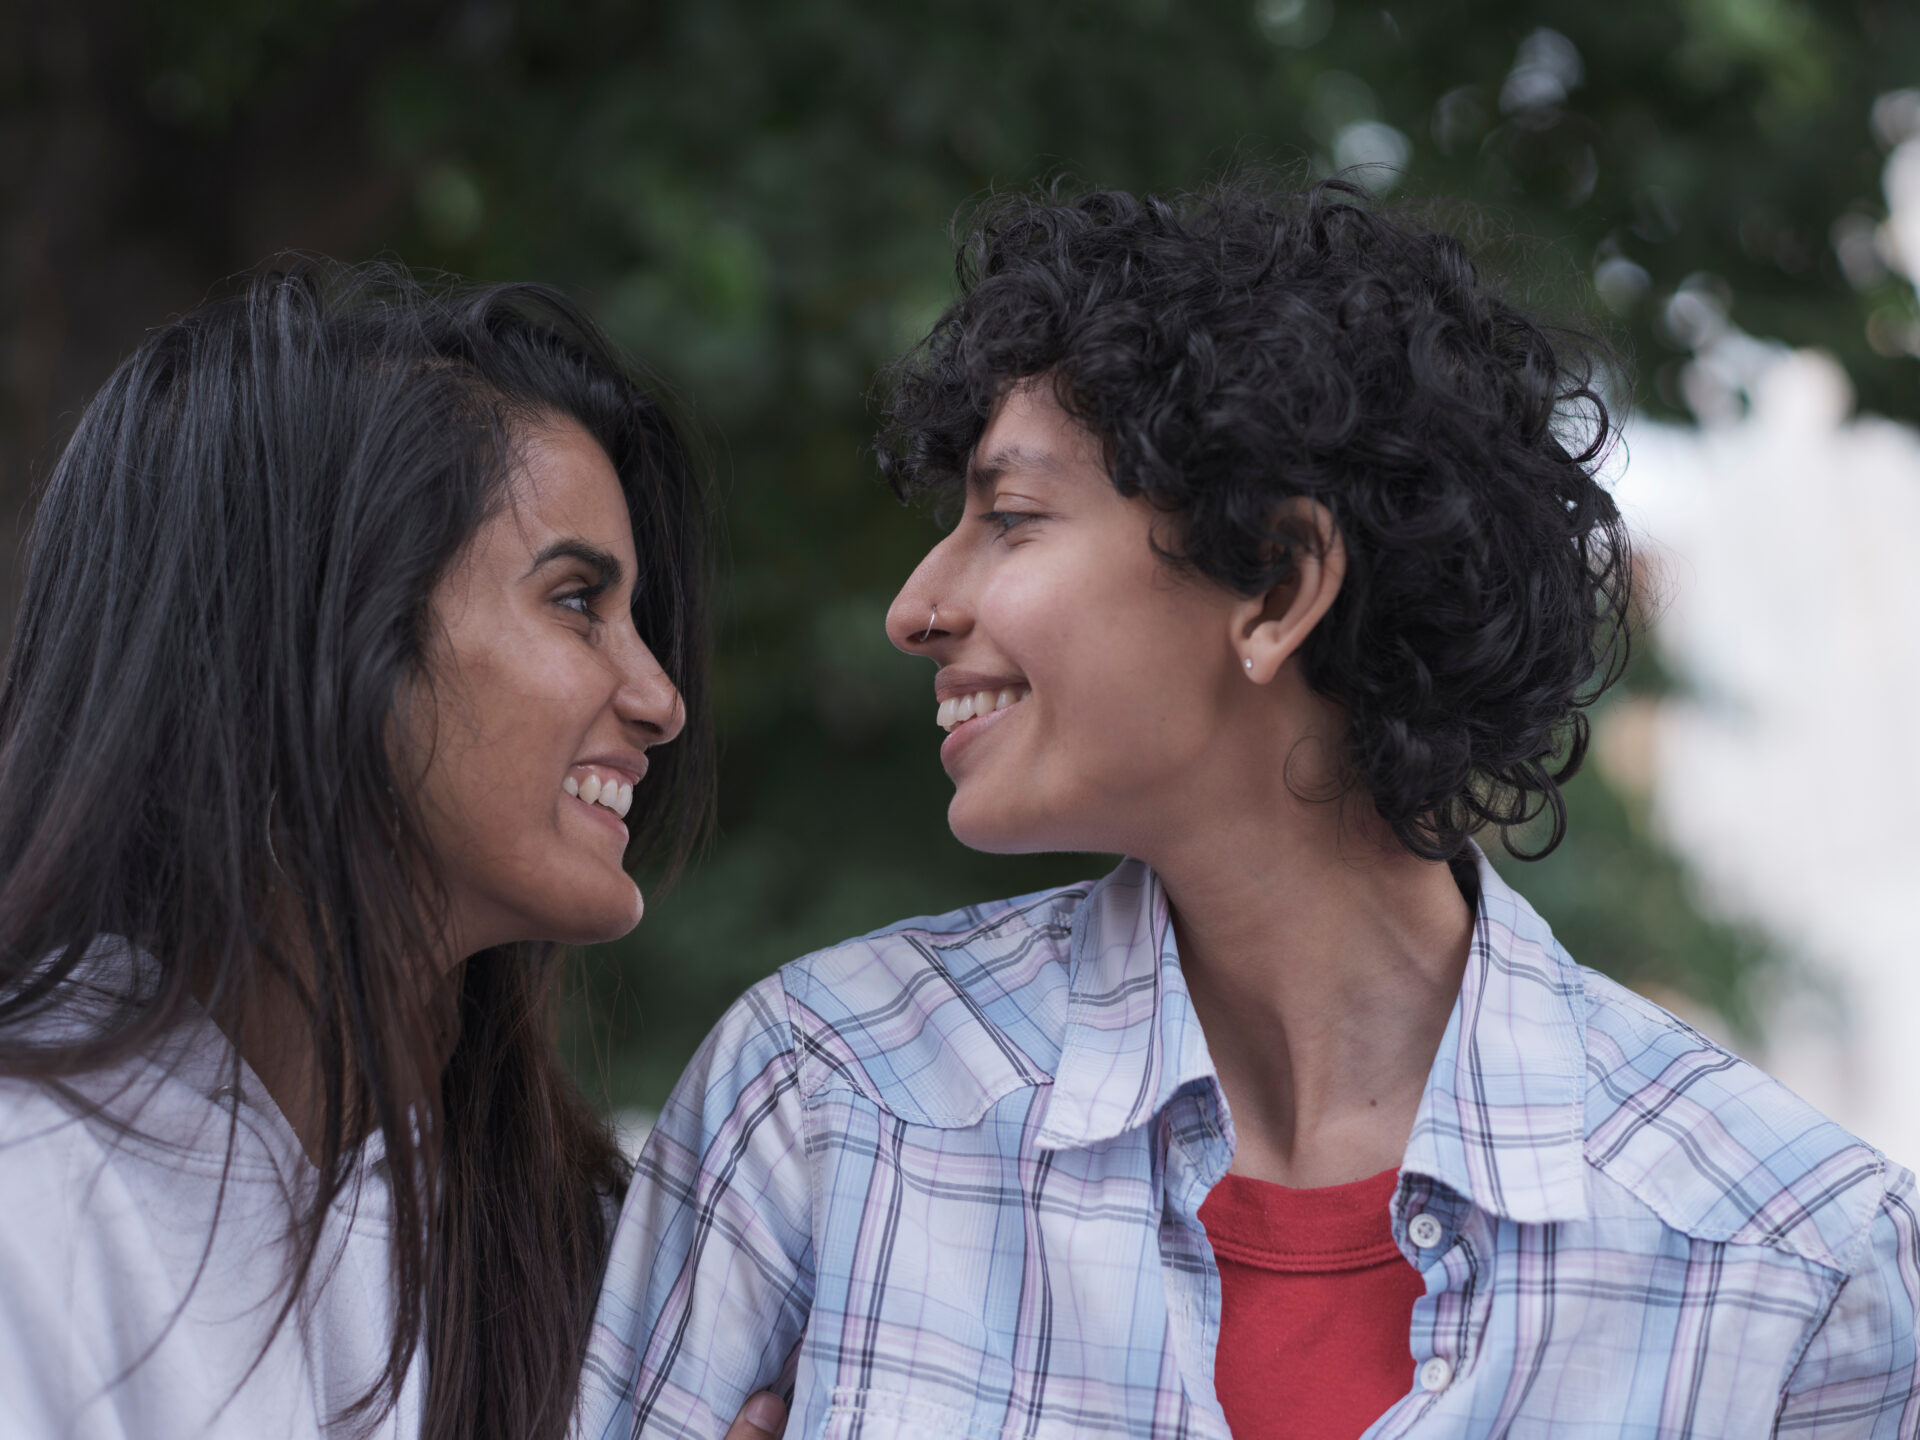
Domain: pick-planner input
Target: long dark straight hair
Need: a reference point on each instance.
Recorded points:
(227, 601)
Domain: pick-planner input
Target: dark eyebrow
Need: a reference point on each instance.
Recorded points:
(606, 565)
(982, 471)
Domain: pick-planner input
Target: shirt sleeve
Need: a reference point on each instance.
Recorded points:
(1859, 1377)
(47, 1371)
(710, 1276)
(80, 1307)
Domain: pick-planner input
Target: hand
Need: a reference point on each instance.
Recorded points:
(763, 1417)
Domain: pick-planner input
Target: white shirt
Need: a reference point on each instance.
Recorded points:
(127, 1310)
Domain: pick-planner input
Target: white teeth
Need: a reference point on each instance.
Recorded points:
(613, 793)
(956, 712)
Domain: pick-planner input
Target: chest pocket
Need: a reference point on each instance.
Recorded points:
(962, 1280)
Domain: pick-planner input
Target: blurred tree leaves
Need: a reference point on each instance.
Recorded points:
(755, 198)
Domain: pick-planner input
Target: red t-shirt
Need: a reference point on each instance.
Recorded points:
(1316, 1302)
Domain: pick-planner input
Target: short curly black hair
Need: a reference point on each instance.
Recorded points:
(1236, 347)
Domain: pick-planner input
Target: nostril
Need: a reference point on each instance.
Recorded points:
(914, 619)
(916, 634)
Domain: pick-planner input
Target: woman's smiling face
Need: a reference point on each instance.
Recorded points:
(1107, 670)
(542, 702)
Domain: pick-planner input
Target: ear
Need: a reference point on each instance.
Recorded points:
(1268, 629)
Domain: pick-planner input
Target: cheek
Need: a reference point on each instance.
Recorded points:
(496, 760)
(529, 707)
(1126, 723)
(1029, 615)
(519, 865)
(1106, 657)
(1129, 703)
(508, 727)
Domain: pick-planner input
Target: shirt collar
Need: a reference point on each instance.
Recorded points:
(1502, 1120)
(1504, 1116)
(1132, 1039)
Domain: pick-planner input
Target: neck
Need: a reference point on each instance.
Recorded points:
(275, 1037)
(1324, 961)
(275, 1040)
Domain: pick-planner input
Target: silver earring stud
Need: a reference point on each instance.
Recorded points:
(1248, 662)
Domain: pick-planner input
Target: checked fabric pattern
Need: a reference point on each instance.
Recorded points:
(943, 1181)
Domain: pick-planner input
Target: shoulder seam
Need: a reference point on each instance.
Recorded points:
(1863, 1237)
(1047, 899)
(790, 1046)
(1019, 908)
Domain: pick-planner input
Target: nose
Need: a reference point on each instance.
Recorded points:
(930, 606)
(648, 700)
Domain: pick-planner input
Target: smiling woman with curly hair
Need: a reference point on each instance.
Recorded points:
(1281, 568)
(1337, 369)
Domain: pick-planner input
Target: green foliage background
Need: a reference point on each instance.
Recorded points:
(756, 199)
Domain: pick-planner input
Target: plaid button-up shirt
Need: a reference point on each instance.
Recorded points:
(944, 1180)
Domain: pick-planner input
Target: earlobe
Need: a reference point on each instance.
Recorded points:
(1273, 626)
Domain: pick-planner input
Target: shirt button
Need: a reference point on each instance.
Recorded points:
(1425, 1232)
(1436, 1374)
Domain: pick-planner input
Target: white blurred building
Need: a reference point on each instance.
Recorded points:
(1785, 532)
(1786, 540)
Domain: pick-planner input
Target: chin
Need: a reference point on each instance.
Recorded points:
(997, 832)
(1076, 822)
(608, 914)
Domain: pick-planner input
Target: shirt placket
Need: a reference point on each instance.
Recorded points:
(1433, 1227)
(1194, 1155)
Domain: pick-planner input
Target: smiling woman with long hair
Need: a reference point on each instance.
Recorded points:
(353, 614)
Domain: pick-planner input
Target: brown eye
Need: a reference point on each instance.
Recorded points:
(1005, 520)
(581, 601)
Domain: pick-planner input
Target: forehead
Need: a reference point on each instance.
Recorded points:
(564, 485)
(1031, 435)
